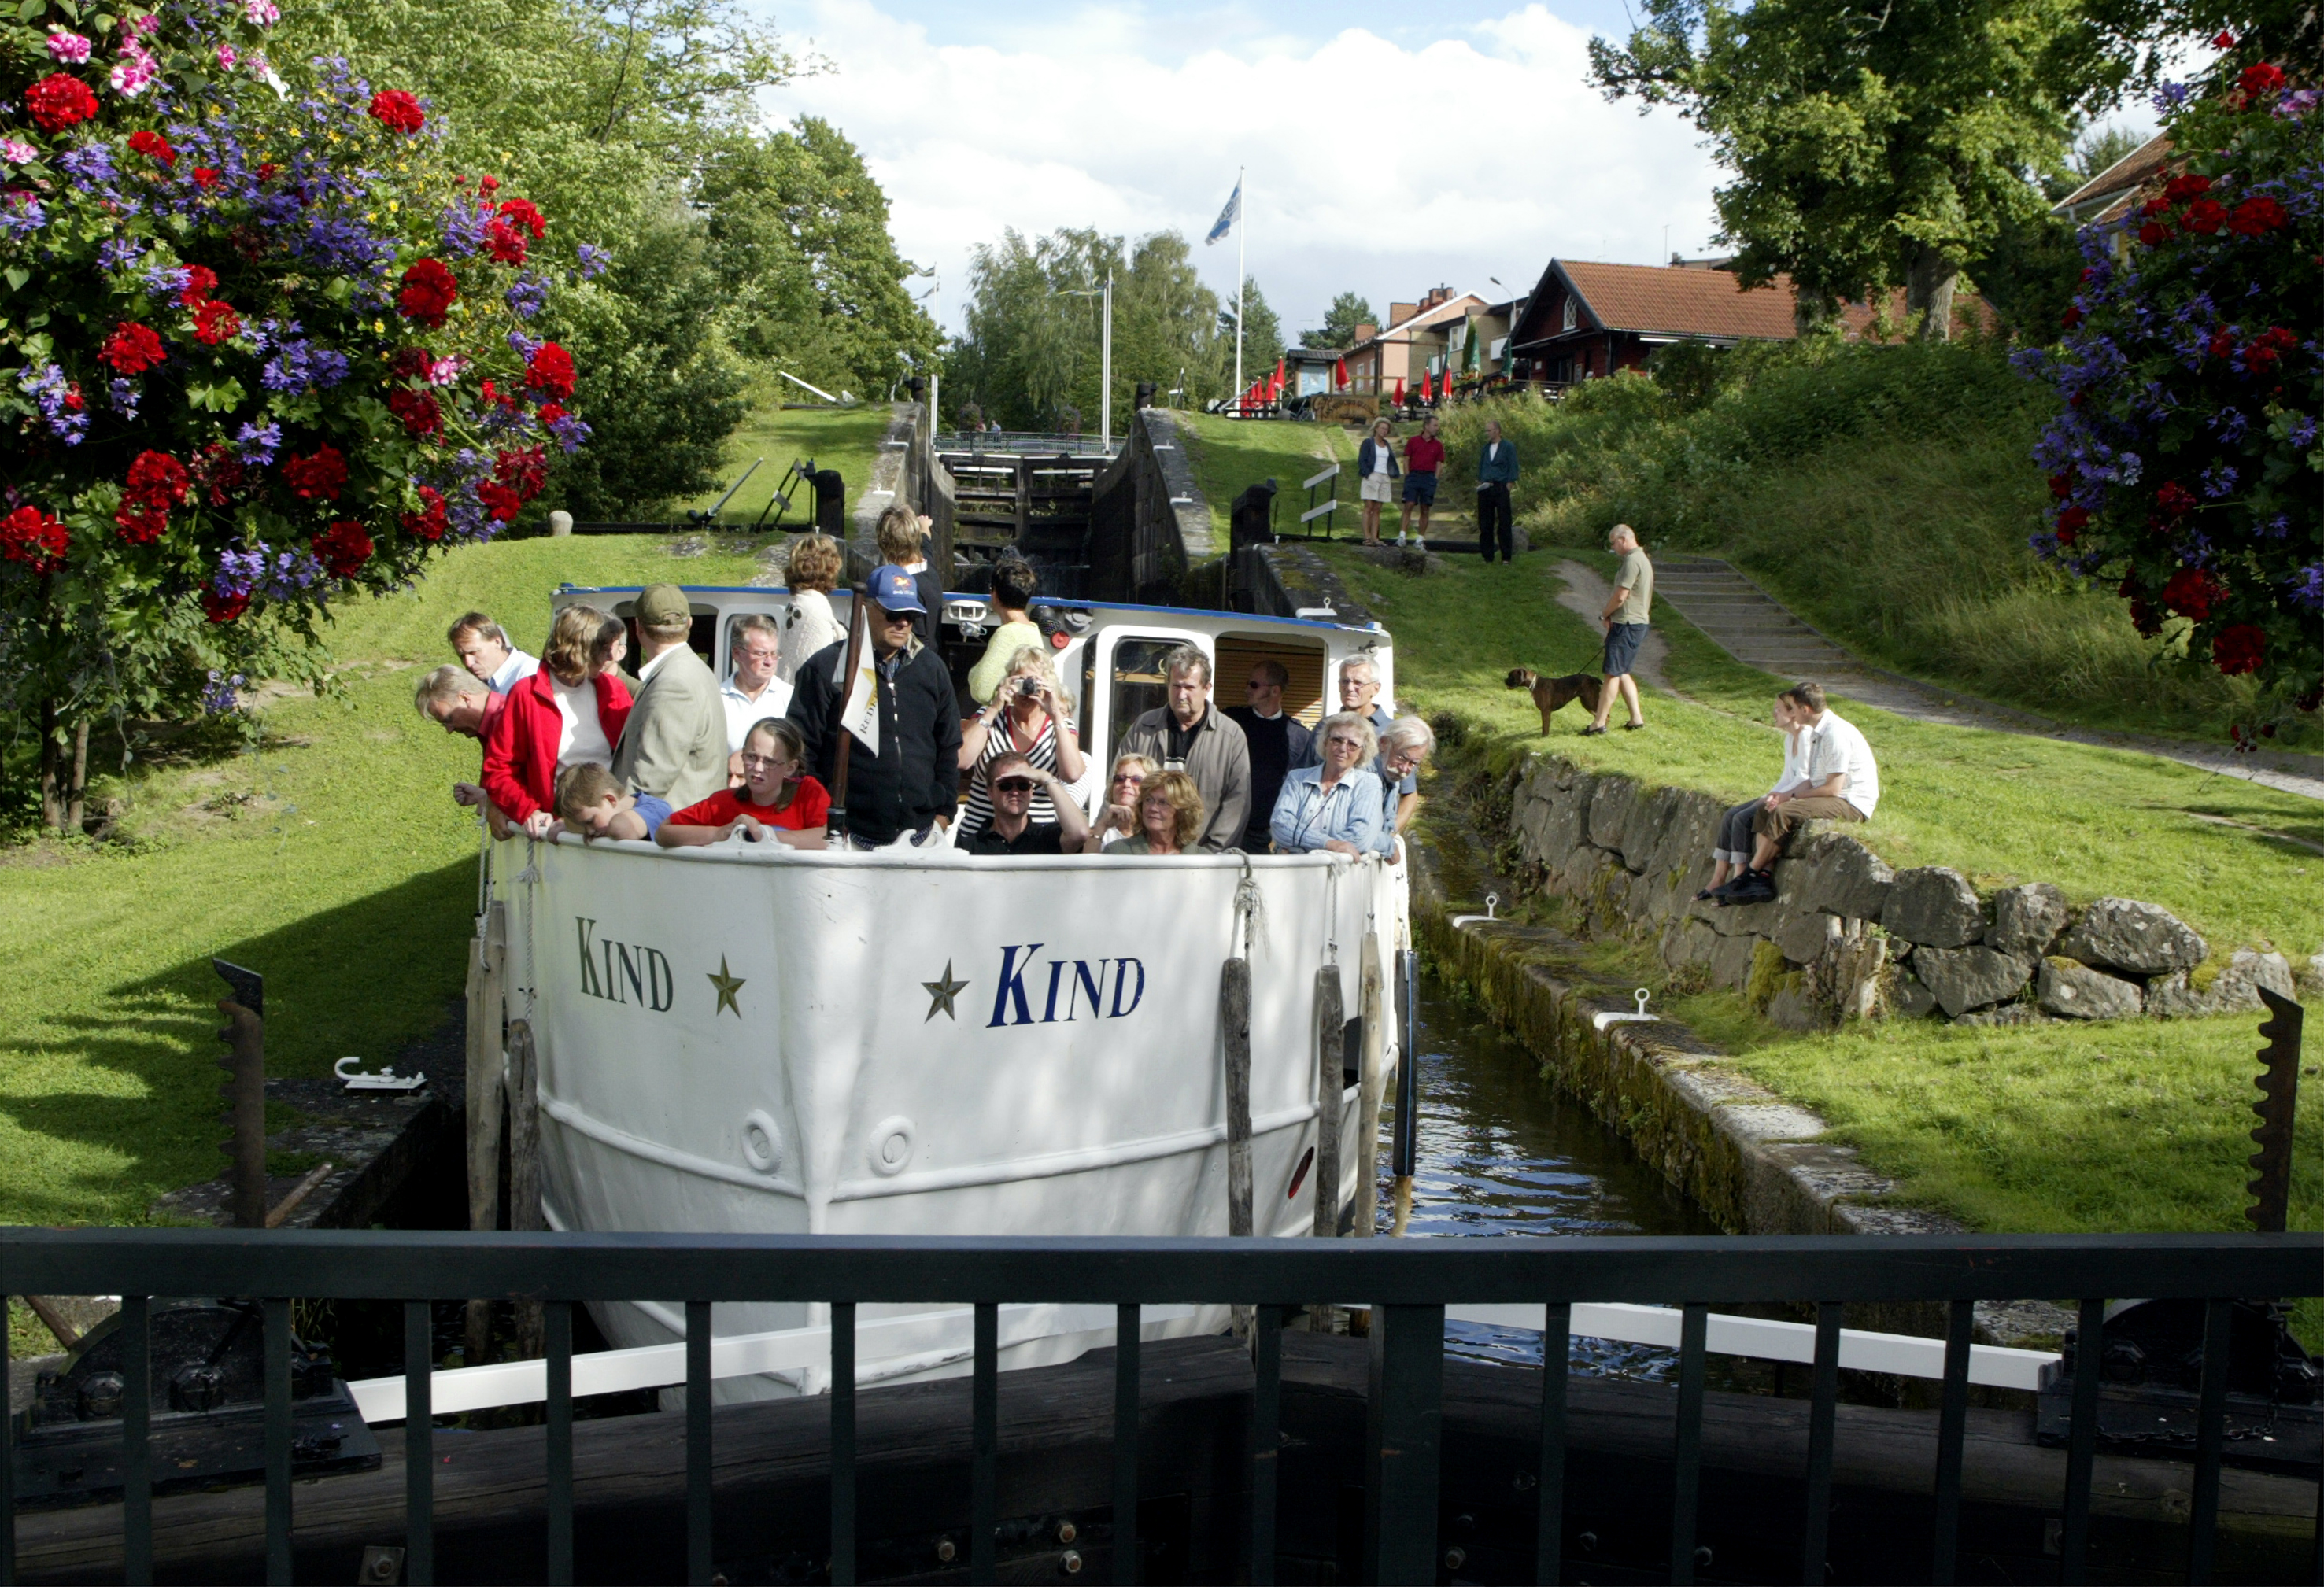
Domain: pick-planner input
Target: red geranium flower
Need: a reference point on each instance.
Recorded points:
(145, 140)
(200, 279)
(525, 213)
(31, 536)
(550, 412)
(268, 170)
(206, 176)
(488, 184)
(523, 469)
(2072, 315)
(549, 371)
(2262, 78)
(409, 363)
(2182, 187)
(132, 348)
(344, 548)
(2154, 233)
(2061, 483)
(2223, 342)
(397, 111)
(140, 525)
(429, 290)
(420, 412)
(217, 472)
(2158, 205)
(2257, 215)
(220, 608)
(59, 101)
(2174, 498)
(428, 523)
(318, 476)
(2192, 592)
(500, 503)
(2226, 41)
(2205, 216)
(2239, 648)
(2071, 522)
(2262, 353)
(216, 322)
(159, 479)
(505, 241)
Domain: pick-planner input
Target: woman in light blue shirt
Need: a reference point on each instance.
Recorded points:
(1336, 805)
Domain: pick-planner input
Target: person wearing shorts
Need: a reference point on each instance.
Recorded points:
(1376, 473)
(1424, 455)
(1625, 618)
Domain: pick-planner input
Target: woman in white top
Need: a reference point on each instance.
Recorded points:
(809, 626)
(1731, 853)
(1376, 476)
(1025, 717)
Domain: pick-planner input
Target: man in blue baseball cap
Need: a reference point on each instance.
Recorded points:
(911, 783)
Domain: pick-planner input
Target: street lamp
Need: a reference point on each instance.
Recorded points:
(1105, 357)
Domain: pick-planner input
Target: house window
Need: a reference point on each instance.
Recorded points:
(1569, 316)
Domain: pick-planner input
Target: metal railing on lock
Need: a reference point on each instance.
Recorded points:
(1409, 1286)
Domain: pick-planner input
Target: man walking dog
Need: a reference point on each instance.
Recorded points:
(1625, 618)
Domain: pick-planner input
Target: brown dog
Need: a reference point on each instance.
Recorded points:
(1551, 693)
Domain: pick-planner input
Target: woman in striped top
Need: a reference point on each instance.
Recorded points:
(1025, 718)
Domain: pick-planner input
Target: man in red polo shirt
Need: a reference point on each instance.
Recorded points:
(1424, 455)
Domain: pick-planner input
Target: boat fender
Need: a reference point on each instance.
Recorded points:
(762, 1142)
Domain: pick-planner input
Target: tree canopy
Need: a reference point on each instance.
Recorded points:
(1869, 148)
(1262, 332)
(1347, 310)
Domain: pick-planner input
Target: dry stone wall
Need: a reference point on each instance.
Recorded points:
(1847, 936)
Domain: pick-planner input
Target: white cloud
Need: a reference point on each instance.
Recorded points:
(1374, 165)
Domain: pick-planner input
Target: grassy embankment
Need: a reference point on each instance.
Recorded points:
(845, 438)
(2131, 1125)
(1886, 494)
(1230, 454)
(331, 860)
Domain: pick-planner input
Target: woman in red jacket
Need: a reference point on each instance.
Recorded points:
(570, 711)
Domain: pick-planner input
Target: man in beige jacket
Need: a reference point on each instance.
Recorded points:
(674, 745)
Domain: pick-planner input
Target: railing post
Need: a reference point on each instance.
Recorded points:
(7, 1461)
(137, 1440)
(2081, 1444)
(1405, 1413)
(557, 1324)
(1265, 1438)
(1686, 1452)
(984, 1443)
(2210, 1440)
(1126, 1397)
(842, 1443)
(419, 1444)
(1953, 1428)
(1549, 1523)
(699, 1558)
(1822, 1413)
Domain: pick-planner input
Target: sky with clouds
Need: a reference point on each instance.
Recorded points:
(1384, 156)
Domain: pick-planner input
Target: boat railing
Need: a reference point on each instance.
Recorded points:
(1408, 1286)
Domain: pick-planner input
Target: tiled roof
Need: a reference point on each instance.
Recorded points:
(2113, 190)
(1657, 300)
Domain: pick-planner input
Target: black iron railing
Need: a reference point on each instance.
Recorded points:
(1408, 1283)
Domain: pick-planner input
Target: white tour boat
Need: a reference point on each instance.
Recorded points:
(754, 1038)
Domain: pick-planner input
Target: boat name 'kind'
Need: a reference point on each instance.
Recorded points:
(1069, 982)
(632, 968)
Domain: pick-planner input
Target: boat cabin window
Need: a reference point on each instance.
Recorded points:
(1302, 695)
(1138, 686)
(703, 637)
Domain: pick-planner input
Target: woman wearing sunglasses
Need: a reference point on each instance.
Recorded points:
(1119, 820)
(1340, 806)
(1026, 717)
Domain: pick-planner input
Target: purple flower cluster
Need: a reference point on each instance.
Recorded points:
(46, 385)
(527, 296)
(569, 431)
(254, 443)
(22, 213)
(262, 571)
(593, 260)
(219, 696)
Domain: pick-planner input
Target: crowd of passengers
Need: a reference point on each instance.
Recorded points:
(689, 759)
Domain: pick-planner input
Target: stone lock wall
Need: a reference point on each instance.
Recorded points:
(1846, 936)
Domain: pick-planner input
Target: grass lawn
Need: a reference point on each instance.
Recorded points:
(1230, 455)
(2124, 1126)
(845, 439)
(331, 860)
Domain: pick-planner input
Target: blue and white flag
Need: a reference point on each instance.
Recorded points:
(1226, 220)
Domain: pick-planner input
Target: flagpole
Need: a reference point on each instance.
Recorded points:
(1243, 208)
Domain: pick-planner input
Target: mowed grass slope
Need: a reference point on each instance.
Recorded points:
(331, 860)
(775, 436)
(1231, 455)
(2124, 1126)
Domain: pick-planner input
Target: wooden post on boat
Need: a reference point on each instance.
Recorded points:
(1331, 1090)
(524, 1166)
(1406, 1150)
(1234, 1015)
(244, 1092)
(487, 1065)
(1374, 1082)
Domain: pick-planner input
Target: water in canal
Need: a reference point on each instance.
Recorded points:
(1502, 1151)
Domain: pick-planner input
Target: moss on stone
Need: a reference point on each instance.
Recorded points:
(1767, 971)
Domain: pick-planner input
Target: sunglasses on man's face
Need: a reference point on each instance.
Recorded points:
(1013, 784)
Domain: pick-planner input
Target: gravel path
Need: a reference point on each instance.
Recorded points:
(1752, 626)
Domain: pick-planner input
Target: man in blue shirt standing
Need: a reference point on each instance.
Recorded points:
(1497, 471)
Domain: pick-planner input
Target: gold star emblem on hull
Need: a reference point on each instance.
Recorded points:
(727, 986)
(941, 993)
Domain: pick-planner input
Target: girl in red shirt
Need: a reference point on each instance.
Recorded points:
(777, 800)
